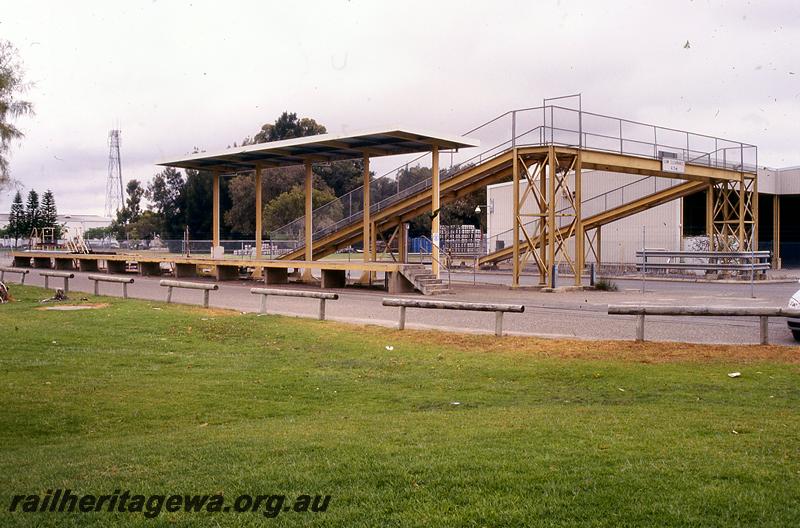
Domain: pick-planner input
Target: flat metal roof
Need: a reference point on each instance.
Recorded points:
(322, 148)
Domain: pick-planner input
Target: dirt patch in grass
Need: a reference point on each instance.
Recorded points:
(648, 352)
(72, 307)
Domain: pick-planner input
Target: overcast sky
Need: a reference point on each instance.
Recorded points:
(173, 75)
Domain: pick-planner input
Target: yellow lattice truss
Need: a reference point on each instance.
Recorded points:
(555, 218)
(732, 215)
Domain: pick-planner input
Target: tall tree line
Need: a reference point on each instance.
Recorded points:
(33, 214)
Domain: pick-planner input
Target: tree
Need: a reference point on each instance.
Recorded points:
(133, 203)
(462, 210)
(342, 176)
(166, 194)
(32, 213)
(94, 233)
(148, 224)
(16, 219)
(11, 84)
(240, 217)
(287, 126)
(411, 176)
(382, 188)
(49, 214)
(291, 205)
(130, 212)
(197, 203)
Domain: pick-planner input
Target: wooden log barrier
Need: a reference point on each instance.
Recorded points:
(118, 280)
(762, 312)
(206, 287)
(6, 269)
(322, 296)
(498, 309)
(66, 275)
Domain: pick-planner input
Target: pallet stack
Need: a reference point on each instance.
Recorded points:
(461, 239)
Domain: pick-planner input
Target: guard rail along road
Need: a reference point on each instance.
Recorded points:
(105, 278)
(498, 309)
(205, 286)
(58, 275)
(6, 269)
(719, 261)
(322, 296)
(763, 313)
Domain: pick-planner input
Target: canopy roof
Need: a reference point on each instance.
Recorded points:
(321, 148)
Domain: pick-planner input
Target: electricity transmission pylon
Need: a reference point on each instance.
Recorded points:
(114, 198)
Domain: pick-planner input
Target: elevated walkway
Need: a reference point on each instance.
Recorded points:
(550, 146)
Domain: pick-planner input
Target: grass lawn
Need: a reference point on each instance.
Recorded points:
(441, 430)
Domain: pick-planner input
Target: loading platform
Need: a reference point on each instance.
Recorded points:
(333, 273)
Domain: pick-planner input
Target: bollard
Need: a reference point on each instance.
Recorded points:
(498, 324)
(592, 274)
(763, 327)
(640, 327)
(263, 304)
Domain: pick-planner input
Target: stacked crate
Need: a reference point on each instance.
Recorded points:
(461, 239)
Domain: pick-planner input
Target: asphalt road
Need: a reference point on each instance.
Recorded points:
(579, 314)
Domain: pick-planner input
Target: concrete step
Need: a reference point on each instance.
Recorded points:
(436, 291)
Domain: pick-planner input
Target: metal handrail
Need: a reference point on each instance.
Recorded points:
(441, 264)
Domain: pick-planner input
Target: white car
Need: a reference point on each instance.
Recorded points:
(794, 322)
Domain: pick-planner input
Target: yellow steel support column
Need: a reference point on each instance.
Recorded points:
(599, 249)
(215, 212)
(259, 218)
(366, 237)
(309, 224)
(754, 213)
(722, 193)
(551, 215)
(710, 216)
(579, 235)
(740, 235)
(373, 249)
(402, 242)
(516, 223)
(435, 210)
(373, 242)
(543, 210)
(776, 231)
